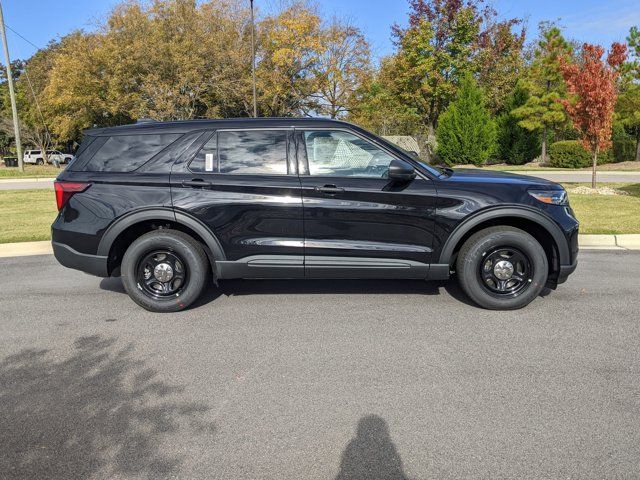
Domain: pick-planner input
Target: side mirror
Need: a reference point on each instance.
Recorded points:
(400, 171)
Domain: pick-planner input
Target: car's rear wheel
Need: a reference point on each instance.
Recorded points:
(39, 161)
(502, 268)
(164, 270)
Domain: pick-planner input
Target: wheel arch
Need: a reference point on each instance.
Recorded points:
(120, 234)
(545, 230)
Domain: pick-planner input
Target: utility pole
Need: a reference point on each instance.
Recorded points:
(253, 62)
(12, 94)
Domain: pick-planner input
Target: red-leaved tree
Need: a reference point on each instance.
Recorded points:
(591, 83)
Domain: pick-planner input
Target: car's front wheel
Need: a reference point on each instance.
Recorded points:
(502, 268)
(164, 270)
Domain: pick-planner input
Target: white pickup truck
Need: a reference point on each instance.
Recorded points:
(35, 157)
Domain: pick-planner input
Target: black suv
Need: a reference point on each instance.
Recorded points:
(167, 205)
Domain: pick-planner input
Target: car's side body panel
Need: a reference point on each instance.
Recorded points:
(287, 226)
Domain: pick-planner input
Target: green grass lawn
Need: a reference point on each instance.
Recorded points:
(26, 215)
(30, 171)
(607, 214)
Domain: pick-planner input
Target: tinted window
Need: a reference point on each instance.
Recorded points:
(83, 146)
(342, 154)
(253, 152)
(35, 152)
(124, 153)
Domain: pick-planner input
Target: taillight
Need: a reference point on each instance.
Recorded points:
(66, 190)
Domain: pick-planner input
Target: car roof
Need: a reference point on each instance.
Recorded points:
(185, 126)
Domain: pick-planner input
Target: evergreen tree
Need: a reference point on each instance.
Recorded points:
(516, 145)
(543, 111)
(466, 131)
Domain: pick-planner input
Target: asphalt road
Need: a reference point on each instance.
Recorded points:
(319, 380)
(584, 177)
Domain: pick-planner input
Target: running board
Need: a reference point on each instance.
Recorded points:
(297, 266)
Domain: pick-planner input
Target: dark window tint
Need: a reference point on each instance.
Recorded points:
(124, 153)
(35, 152)
(253, 152)
(206, 159)
(342, 154)
(83, 146)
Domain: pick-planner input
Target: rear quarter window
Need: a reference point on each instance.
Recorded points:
(124, 153)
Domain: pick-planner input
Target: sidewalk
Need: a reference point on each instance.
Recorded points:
(587, 242)
(26, 179)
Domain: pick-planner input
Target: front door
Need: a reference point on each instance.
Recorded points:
(357, 223)
(243, 185)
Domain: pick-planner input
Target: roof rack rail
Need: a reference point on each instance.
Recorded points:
(146, 120)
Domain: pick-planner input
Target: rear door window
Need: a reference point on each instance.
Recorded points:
(243, 152)
(125, 153)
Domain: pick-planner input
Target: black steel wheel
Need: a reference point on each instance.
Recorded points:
(164, 270)
(502, 268)
(162, 273)
(505, 271)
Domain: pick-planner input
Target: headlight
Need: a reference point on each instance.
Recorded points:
(554, 197)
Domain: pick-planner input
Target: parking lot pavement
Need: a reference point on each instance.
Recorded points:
(319, 380)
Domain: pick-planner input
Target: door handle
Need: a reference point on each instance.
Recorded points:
(329, 190)
(195, 183)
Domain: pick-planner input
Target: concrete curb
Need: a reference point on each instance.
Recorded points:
(609, 242)
(28, 179)
(586, 242)
(22, 249)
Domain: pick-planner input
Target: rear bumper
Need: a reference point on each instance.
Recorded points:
(92, 264)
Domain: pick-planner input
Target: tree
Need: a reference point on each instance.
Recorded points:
(631, 68)
(499, 62)
(341, 67)
(30, 78)
(466, 132)
(592, 85)
(291, 43)
(628, 113)
(628, 106)
(543, 112)
(433, 52)
(378, 106)
(516, 145)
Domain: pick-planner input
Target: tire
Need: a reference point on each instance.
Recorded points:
(187, 263)
(39, 161)
(502, 268)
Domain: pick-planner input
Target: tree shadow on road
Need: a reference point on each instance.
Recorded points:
(371, 454)
(100, 411)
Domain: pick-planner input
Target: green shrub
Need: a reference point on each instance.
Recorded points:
(624, 150)
(571, 154)
(466, 132)
(516, 145)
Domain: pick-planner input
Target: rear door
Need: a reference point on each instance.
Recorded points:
(357, 222)
(243, 185)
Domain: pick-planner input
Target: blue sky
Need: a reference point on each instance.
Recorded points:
(587, 20)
